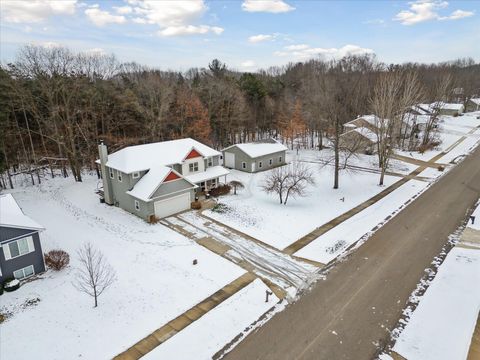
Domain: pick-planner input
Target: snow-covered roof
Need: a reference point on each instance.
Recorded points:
(371, 119)
(422, 109)
(11, 215)
(257, 149)
(367, 133)
(149, 182)
(209, 173)
(448, 106)
(475, 101)
(155, 155)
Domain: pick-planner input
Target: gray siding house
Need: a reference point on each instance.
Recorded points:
(473, 105)
(254, 157)
(159, 179)
(21, 254)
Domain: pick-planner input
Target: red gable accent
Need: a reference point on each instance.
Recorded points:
(171, 176)
(193, 154)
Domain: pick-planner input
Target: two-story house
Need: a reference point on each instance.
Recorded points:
(21, 254)
(159, 179)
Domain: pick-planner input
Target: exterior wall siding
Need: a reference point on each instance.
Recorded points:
(34, 258)
(241, 157)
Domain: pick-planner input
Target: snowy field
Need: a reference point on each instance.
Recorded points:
(451, 130)
(214, 330)
(156, 280)
(334, 242)
(261, 216)
(441, 326)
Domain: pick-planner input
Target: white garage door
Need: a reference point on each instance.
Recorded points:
(172, 205)
(229, 160)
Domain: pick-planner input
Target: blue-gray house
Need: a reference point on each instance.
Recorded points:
(21, 254)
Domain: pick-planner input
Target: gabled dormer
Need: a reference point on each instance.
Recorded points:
(193, 163)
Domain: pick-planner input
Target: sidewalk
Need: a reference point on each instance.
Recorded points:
(164, 333)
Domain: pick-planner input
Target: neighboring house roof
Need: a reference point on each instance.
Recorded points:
(475, 101)
(371, 119)
(210, 173)
(154, 155)
(152, 180)
(257, 149)
(11, 215)
(446, 106)
(367, 133)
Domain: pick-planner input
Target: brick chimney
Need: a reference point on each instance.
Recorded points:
(107, 191)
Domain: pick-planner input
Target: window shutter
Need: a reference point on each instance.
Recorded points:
(31, 247)
(6, 252)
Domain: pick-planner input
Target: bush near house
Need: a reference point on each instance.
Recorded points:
(11, 284)
(196, 205)
(220, 190)
(57, 259)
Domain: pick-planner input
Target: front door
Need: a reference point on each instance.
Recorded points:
(253, 167)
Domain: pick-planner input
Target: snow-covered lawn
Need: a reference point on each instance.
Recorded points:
(261, 216)
(331, 244)
(205, 337)
(441, 326)
(451, 130)
(156, 280)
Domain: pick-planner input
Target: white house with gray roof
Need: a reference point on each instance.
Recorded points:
(256, 156)
(159, 179)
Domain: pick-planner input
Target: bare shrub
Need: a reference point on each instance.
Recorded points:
(57, 259)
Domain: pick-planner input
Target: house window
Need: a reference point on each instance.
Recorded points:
(280, 159)
(135, 175)
(260, 164)
(119, 176)
(137, 205)
(110, 170)
(244, 165)
(24, 273)
(193, 167)
(270, 162)
(19, 247)
(209, 162)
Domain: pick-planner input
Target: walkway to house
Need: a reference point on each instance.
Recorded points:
(281, 272)
(164, 333)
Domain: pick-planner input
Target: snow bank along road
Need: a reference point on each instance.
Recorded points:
(350, 313)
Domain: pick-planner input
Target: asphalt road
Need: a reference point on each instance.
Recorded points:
(347, 315)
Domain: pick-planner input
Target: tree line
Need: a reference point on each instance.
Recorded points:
(56, 105)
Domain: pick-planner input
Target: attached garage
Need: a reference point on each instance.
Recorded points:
(172, 205)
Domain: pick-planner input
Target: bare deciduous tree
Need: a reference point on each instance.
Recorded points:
(300, 178)
(288, 181)
(94, 275)
(236, 185)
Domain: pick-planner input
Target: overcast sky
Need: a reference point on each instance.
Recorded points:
(247, 35)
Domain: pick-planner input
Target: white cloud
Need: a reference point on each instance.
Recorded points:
(175, 18)
(458, 14)
(297, 47)
(102, 17)
(425, 10)
(50, 45)
(304, 52)
(96, 51)
(248, 64)
(260, 37)
(123, 10)
(189, 30)
(271, 6)
(35, 11)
